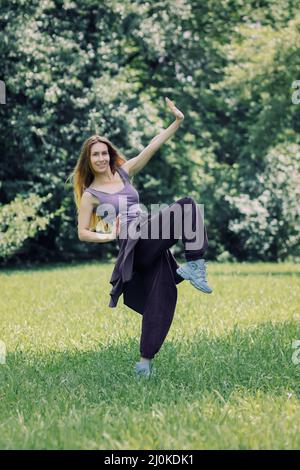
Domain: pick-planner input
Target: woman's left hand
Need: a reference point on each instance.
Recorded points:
(178, 114)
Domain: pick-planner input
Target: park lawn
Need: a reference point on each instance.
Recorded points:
(224, 378)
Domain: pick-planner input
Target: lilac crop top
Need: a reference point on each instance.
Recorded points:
(124, 202)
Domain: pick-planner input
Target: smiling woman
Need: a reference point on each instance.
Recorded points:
(95, 168)
(145, 272)
(103, 176)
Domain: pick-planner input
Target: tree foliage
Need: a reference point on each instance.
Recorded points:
(75, 68)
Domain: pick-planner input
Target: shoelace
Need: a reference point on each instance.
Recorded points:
(201, 269)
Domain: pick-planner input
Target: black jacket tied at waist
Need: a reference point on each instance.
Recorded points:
(136, 285)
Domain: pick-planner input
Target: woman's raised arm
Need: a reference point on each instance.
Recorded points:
(134, 165)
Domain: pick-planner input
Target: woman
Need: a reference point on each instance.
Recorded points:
(145, 272)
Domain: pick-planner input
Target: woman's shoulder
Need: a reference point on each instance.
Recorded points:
(123, 169)
(88, 193)
(89, 199)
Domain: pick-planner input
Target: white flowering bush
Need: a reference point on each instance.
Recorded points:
(20, 220)
(268, 224)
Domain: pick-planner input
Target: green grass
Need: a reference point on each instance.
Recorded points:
(224, 376)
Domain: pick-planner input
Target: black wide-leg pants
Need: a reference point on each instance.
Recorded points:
(155, 322)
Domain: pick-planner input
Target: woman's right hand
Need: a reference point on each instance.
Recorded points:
(178, 114)
(112, 235)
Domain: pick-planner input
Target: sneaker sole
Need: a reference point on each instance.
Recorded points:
(199, 288)
(185, 276)
(142, 375)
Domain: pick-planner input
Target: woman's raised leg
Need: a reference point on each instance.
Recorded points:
(180, 220)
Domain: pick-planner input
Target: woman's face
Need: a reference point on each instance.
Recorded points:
(99, 157)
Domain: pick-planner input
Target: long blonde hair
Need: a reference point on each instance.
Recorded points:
(83, 174)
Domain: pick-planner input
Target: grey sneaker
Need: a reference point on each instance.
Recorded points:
(142, 369)
(195, 272)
